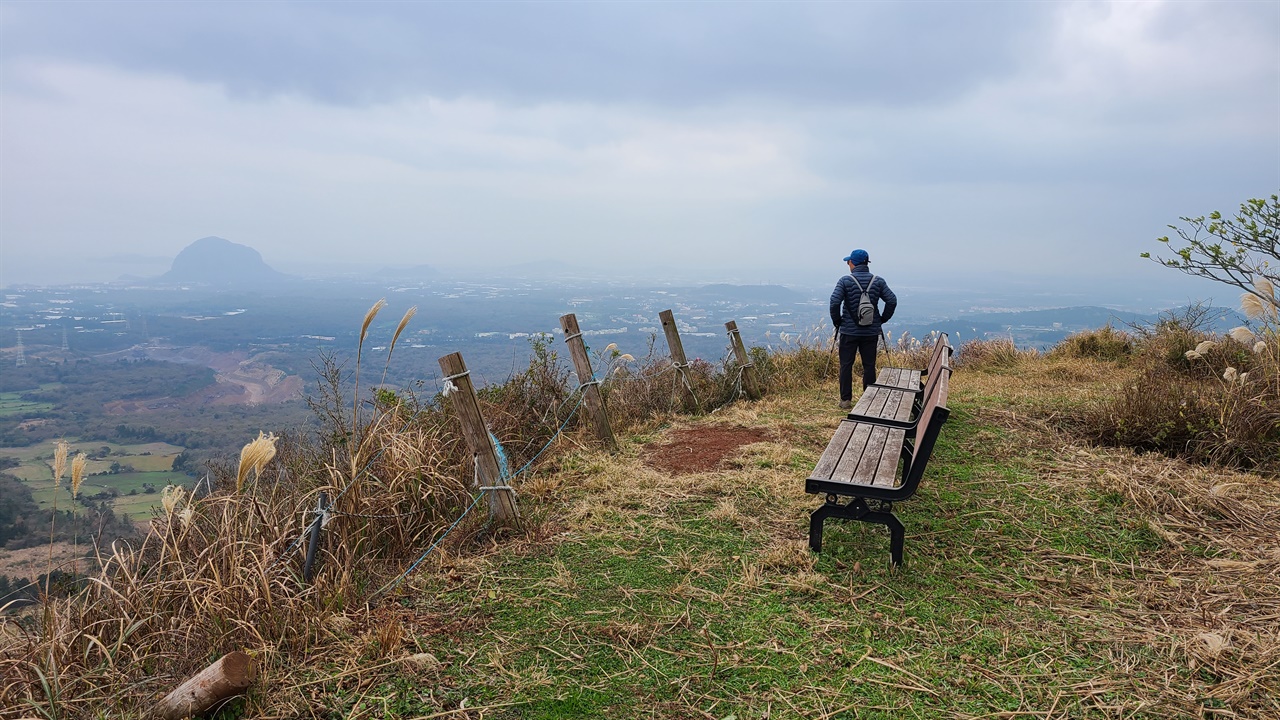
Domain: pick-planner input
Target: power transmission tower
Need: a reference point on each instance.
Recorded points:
(22, 355)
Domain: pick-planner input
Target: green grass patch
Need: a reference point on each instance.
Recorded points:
(11, 403)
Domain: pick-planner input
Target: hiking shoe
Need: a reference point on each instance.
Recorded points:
(846, 404)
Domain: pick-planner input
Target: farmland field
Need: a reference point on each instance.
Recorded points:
(143, 463)
(11, 403)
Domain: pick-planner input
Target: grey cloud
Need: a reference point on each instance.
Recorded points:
(878, 53)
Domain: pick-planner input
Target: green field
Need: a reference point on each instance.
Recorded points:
(120, 482)
(152, 463)
(12, 404)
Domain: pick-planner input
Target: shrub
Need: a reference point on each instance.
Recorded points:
(1217, 401)
(1174, 333)
(1105, 343)
(991, 354)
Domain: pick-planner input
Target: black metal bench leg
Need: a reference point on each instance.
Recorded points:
(897, 533)
(857, 509)
(816, 518)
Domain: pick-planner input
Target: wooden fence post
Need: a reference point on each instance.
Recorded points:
(677, 353)
(502, 503)
(229, 676)
(745, 366)
(586, 378)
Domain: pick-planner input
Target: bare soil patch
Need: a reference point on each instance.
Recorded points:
(700, 449)
(34, 561)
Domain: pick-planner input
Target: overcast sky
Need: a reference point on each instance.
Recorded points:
(761, 141)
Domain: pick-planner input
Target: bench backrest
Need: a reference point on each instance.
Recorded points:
(939, 365)
(932, 415)
(941, 355)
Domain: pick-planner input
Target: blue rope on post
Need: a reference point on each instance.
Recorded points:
(506, 474)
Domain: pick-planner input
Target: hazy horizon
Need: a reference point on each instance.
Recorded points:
(965, 144)
(919, 294)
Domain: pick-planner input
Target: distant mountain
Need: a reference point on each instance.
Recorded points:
(774, 294)
(215, 261)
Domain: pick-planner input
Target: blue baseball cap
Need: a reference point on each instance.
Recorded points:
(858, 257)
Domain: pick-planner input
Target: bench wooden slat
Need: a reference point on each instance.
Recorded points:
(865, 472)
(853, 454)
(900, 378)
(834, 450)
(905, 400)
(872, 402)
(887, 473)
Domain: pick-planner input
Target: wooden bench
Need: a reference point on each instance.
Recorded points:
(862, 462)
(909, 378)
(901, 407)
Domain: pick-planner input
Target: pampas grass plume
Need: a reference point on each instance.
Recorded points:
(255, 456)
(1265, 289)
(364, 331)
(60, 462)
(77, 473)
(1252, 306)
(1205, 346)
(170, 497)
(404, 321)
(408, 315)
(1262, 302)
(368, 319)
(1241, 335)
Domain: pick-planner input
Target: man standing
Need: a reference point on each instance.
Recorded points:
(857, 325)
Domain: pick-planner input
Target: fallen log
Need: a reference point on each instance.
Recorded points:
(226, 678)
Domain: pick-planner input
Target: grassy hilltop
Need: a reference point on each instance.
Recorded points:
(1097, 535)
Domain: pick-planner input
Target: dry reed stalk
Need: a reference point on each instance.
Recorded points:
(404, 321)
(364, 331)
(78, 464)
(60, 451)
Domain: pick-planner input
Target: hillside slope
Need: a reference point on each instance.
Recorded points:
(1044, 578)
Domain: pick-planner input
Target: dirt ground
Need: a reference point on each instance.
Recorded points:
(699, 449)
(34, 561)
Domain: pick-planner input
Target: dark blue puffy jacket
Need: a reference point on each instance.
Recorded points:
(847, 295)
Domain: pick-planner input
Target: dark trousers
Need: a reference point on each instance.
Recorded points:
(850, 348)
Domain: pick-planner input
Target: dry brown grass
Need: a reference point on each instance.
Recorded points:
(994, 354)
(1207, 599)
(220, 573)
(1105, 343)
